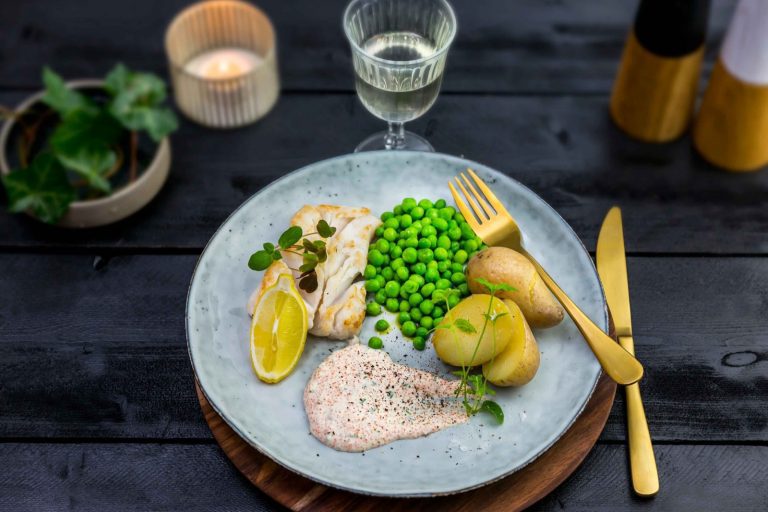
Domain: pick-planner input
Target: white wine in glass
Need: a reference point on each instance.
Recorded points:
(398, 50)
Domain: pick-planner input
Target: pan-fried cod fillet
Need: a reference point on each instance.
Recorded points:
(336, 309)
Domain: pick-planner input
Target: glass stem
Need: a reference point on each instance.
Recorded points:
(395, 137)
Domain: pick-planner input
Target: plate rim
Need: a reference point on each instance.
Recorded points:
(327, 482)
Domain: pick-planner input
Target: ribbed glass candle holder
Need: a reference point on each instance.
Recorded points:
(223, 60)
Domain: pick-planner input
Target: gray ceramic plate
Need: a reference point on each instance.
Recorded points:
(271, 417)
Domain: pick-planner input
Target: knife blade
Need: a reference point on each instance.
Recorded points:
(612, 269)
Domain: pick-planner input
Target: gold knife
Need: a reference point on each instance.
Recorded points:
(612, 267)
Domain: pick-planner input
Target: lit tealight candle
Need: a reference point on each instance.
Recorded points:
(223, 63)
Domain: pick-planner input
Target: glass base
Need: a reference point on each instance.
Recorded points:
(411, 142)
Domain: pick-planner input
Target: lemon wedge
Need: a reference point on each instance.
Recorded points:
(278, 331)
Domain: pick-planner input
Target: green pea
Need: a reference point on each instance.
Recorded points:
(458, 217)
(416, 314)
(432, 241)
(464, 289)
(412, 242)
(408, 204)
(373, 309)
(380, 279)
(401, 244)
(395, 252)
(417, 278)
(452, 224)
(437, 320)
(440, 225)
(419, 343)
(369, 272)
(461, 256)
(470, 246)
(426, 204)
(419, 268)
(389, 234)
(380, 297)
(425, 255)
(426, 321)
(455, 246)
(447, 212)
(432, 275)
(402, 273)
(453, 300)
(408, 328)
(410, 255)
(375, 342)
(427, 290)
(404, 306)
(392, 222)
(409, 233)
(372, 285)
(415, 299)
(431, 213)
(375, 258)
(417, 225)
(428, 231)
(405, 220)
(392, 288)
(457, 267)
(423, 243)
(426, 221)
(410, 286)
(386, 259)
(440, 203)
(397, 210)
(386, 215)
(454, 233)
(441, 254)
(403, 317)
(426, 307)
(458, 278)
(382, 244)
(437, 312)
(387, 274)
(442, 266)
(466, 231)
(444, 242)
(397, 263)
(417, 212)
(443, 284)
(438, 296)
(447, 274)
(422, 332)
(382, 325)
(392, 305)
(379, 231)
(432, 265)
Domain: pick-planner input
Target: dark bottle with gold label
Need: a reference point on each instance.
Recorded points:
(655, 90)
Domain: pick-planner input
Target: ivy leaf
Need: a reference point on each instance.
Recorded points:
(309, 283)
(494, 410)
(136, 102)
(83, 143)
(325, 230)
(464, 325)
(61, 98)
(289, 237)
(42, 188)
(260, 260)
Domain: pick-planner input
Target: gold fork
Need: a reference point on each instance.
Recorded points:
(496, 227)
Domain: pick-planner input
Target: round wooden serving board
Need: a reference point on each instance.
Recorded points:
(515, 492)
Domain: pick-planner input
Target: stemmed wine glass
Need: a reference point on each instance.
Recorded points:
(399, 49)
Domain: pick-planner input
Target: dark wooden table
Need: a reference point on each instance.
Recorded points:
(97, 403)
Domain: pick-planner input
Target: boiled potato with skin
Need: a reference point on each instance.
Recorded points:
(518, 362)
(499, 265)
(454, 346)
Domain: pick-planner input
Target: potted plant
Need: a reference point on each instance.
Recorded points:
(89, 152)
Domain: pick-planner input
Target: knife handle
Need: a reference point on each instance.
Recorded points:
(645, 476)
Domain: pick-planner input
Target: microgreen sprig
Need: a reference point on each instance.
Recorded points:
(473, 387)
(312, 252)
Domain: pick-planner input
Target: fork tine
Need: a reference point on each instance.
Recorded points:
(463, 208)
(480, 217)
(489, 196)
(479, 198)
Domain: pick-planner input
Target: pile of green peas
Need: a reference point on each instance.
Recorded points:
(420, 248)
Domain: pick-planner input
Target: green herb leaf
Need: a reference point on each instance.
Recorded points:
(309, 246)
(494, 410)
(42, 188)
(322, 255)
(61, 98)
(270, 248)
(136, 99)
(309, 283)
(260, 260)
(310, 259)
(306, 268)
(276, 255)
(494, 288)
(289, 237)
(324, 230)
(464, 325)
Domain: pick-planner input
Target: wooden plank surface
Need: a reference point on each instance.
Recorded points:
(104, 340)
(127, 477)
(565, 148)
(521, 46)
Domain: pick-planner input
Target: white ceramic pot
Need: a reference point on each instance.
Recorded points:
(124, 201)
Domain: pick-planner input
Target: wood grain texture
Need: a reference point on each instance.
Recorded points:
(653, 96)
(86, 477)
(564, 148)
(511, 47)
(513, 493)
(94, 347)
